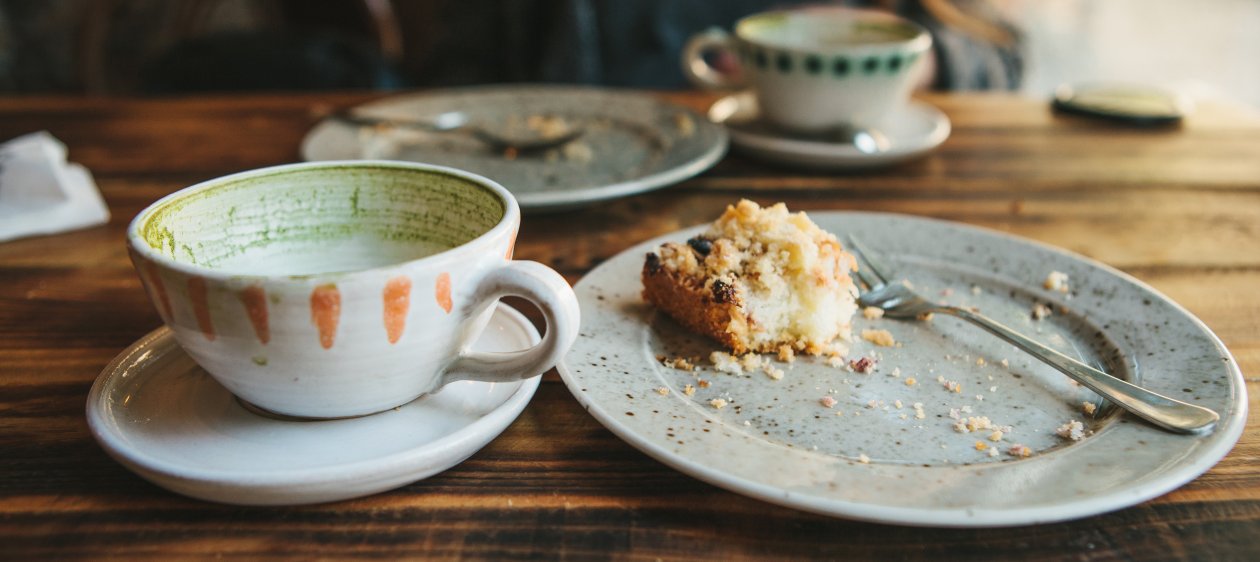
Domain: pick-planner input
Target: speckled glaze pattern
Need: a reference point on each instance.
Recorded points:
(636, 141)
(163, 417)
(869, 456)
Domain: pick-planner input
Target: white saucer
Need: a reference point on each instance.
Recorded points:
(160, 415)
(912, 133)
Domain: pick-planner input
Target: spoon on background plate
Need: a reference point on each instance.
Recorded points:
(459, 121)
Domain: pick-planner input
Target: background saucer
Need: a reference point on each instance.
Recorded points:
(636, 142)
(913, 132)
(160, 415)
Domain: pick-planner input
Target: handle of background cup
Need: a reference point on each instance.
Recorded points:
(552, 295)
(698, 70)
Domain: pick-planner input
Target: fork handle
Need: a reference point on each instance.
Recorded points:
(1158, 409)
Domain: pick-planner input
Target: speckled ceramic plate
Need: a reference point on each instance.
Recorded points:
(871, 455)
(633, 142)
(912, 133)
(160, 415)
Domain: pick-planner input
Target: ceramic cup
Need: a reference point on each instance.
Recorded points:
(817, 68)
(337, 289)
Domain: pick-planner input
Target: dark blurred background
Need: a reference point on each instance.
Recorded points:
(157, 46)
(116, 47)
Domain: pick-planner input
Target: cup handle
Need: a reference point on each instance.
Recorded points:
(552, 295)
(700, 72)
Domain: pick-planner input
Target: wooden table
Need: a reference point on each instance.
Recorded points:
(1179, 209)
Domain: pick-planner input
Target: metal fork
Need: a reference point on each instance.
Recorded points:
(898, 301)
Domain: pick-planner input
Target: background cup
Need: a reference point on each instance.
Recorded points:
(814, 69)
(336, 289)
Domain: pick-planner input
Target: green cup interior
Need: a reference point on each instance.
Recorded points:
(314, 220)
(825, 28)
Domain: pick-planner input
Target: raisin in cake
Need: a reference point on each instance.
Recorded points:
(757, 280)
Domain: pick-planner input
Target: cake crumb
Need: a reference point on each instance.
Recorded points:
(980, 361)
(1006, 363)
(896, 372)
(993, 388)
(862, 364)
(1056, 281)
(981, 445)
(772, 371)
(897, 403)
(787, 354)
(926, 317)
(1073, 430)
(872, 312)
(975, 290)
(751, 361)
(882, 338)
(1018, 450)
(827, 401)
(689, 390)
(702, 383)
(993, 452)
(663, 391)
(910, 381)
(726, 362)
(972, 423)
(996, 435)
(952, 386)
(717, 403)
(862, 458)
(685, 124)
(1040, 311)
(680, 363)
(1089, 407)
(918, 411)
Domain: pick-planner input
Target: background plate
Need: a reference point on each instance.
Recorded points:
(637, 142)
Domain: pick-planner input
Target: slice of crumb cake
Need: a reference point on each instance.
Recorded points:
(757, 280)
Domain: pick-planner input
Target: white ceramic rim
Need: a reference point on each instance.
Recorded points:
(496, 421)
(1223, 438)
(510, 219)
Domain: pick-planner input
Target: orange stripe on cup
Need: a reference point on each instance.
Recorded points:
(397, 300)
(255, 300)
(512, 243)
(159, 289)
(197, 293)
(443, 292)
(326, 312)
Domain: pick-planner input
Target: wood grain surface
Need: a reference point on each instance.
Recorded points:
(1177, 208)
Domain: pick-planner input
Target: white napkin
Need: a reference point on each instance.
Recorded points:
(41, 193)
